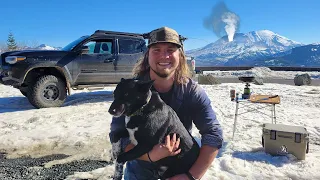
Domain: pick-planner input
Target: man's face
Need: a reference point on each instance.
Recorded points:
(164, 59)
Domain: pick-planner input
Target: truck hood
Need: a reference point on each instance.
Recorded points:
(37, 53)
(33, 56)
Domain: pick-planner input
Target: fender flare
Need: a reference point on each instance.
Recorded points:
(63, 70)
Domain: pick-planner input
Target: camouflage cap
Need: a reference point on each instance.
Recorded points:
(164, 34)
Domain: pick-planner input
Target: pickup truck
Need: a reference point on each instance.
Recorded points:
(45, 77)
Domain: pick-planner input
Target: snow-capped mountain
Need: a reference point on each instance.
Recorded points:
(42, 47)
(245, 49)
(46, 47)
(308, 55)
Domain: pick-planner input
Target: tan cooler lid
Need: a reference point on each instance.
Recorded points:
(285, 128)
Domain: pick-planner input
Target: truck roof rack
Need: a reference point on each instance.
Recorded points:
(144, 35)
(118, 33)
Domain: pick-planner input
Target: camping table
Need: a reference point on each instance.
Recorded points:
(260, 102)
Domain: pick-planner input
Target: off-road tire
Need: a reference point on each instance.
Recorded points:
(23, 92)
(47, 91)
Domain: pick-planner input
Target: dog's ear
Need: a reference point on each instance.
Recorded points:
(145, 85)
(122, 79)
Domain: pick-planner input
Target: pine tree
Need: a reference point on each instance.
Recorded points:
(11, 42)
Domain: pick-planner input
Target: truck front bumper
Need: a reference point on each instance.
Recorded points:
(7, 79)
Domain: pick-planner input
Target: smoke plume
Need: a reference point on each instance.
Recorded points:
(222, 21)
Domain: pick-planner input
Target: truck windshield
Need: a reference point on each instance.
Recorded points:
(70, 46)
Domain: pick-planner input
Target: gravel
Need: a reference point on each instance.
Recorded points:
(33, 168)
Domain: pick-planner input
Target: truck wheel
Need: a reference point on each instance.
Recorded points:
(47, 91)
(23, 92)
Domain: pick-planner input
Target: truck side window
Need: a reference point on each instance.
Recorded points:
(128, 46)
(100, 47)
(91, 46)
(106, 48)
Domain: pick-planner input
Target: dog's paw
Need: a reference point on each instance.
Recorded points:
(116, 149)
(114, 138)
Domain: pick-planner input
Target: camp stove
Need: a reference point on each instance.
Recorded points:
(246, 91)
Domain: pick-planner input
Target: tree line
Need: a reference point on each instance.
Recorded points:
(12, 44)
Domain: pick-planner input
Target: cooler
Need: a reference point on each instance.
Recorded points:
(279, 139)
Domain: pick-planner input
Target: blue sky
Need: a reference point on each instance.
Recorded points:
(58, 22)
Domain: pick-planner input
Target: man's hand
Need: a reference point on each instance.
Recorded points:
(169, 148)
(204, 161)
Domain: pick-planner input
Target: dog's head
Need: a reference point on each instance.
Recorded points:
(129, 96)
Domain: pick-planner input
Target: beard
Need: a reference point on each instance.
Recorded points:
(163, 74)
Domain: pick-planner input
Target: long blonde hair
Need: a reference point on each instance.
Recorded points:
(182, 73)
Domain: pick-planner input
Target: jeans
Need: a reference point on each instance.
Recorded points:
(140, 170)
(143, 170)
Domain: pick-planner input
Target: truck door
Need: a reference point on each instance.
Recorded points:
(130, 52)
(97, 65)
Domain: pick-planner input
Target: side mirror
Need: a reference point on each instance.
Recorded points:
(84, 49)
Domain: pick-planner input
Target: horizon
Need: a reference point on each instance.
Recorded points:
(51, 23)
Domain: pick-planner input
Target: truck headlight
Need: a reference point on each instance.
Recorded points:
(14, 59)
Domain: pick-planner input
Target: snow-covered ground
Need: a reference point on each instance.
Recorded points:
(263, 72)
(80, 128)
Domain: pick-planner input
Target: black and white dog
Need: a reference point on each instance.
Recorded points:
(148, 121)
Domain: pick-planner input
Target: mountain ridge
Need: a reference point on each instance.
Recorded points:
(252, 48)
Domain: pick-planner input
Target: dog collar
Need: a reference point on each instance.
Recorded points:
(139, 112)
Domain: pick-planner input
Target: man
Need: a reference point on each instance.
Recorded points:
(165, 63)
